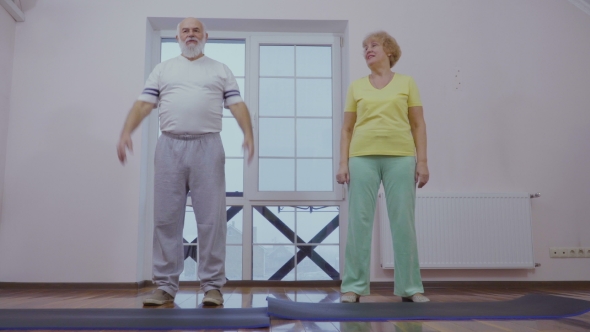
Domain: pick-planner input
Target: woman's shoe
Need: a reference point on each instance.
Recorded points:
(416, 298)
(349, 297)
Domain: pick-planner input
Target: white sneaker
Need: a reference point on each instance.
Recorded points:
(349, 297)
(416, 298)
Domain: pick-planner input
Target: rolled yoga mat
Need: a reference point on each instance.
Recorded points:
(534, 306)
(134, 319)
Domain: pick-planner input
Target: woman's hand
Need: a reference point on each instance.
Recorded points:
(422, 174)
(343, 176)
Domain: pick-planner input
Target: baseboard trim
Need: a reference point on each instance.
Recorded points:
(582, 284)
(574, 285)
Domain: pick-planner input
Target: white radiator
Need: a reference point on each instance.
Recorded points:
(467, 231)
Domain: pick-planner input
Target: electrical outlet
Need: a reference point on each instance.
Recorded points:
(563, 252)
(572, 252)
(557, 252)
(579, 252)
(569, 252)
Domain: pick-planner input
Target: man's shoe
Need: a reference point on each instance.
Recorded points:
(212, 298)
(159, 297)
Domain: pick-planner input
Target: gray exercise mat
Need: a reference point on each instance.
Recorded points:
(534, 306)
(133, 319)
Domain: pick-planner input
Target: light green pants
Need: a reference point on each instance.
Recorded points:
(397, 174)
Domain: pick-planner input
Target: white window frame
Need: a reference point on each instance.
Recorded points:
(251, 176)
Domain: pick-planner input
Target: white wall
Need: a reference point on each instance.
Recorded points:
(520, 122)
(7, 27)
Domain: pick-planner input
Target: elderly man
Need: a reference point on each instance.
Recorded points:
(189, 91)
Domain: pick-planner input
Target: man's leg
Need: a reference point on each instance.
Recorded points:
(207, 187)
(169, 208)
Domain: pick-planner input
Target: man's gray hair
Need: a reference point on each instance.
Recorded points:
(178, 28)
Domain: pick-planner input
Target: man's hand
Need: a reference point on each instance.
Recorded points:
(138, 112)
(422, 174)
(242, 116)
(248, 147)
(125, 143)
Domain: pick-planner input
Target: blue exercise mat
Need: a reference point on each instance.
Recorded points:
(534, 306)
(133, 319)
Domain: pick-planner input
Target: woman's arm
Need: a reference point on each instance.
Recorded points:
(418, 127)
(345, 137)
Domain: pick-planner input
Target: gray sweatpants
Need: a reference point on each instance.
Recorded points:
(195, 163)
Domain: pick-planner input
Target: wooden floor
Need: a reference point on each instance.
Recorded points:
(247, 297)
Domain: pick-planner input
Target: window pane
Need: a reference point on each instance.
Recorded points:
(277, 61)
(233, 262)
(189, 233)
(230, 52)
(264, 231)
(232, 138)
(169, 50)
(277, 137)
(234, 225)
(277, 97)
(314, 175)
(190, 267)
(314, 97)
(234, 175)
(276, 175)
(268, 260)
(318, 224)
(314, 61)
(321, 268)
(314, 138)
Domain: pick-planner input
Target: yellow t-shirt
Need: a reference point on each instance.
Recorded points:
(382, 125)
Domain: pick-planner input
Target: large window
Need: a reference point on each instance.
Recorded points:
(283, 209)
(295, 90)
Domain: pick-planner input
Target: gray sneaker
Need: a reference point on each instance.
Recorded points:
(213, 297)
(159, 297)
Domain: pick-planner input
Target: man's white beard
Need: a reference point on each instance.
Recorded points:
(192, 51)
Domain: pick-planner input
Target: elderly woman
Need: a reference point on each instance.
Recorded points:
(383, 140)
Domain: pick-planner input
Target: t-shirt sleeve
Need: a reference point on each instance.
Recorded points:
(350, 100)
(231, 90)
(413, 94)
(151, 90)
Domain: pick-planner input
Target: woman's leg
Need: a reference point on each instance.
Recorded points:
(365, 178)
(400, 194)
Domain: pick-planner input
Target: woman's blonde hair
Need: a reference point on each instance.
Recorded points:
(390, 45)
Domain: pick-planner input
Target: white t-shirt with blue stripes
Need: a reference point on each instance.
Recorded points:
(190, 94)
